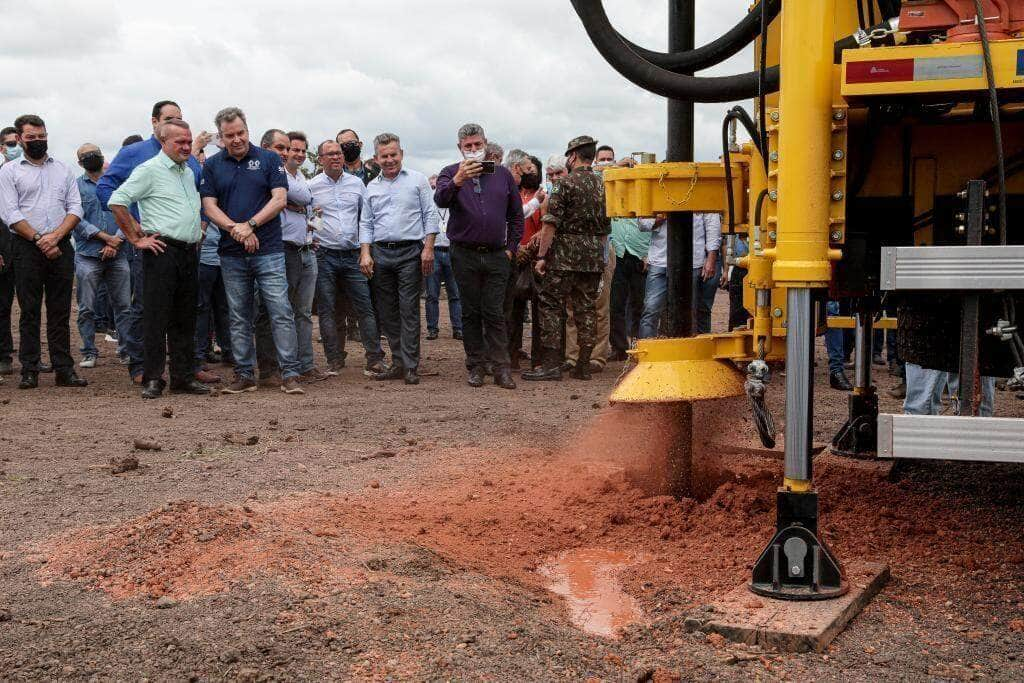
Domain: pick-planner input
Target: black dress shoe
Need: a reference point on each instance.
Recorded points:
(877, 359)
(431, 334)
(457, 334)
(68, 378)
(543, 375)
(45, 367)
(476, 377)
(192, 386)
(393, 372)
(503, 378)
(29, 380)
(581, 371)
(837, 380)
(153, 389)
(411, 377)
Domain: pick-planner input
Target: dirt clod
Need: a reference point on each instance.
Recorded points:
(148, 445)
(241, 439)
(165, 602)
(121, 464)
(167, 412)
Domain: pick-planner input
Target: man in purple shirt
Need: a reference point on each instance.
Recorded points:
(484, 226)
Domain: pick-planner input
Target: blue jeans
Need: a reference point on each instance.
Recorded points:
(243, 276)
(301, 269)
(443, 271)
(338, 271)
(212, 307)
(834, 342)
(655, 293)
(135, 326)
(925, 387)
(116, 274)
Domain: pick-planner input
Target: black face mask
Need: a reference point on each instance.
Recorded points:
(529, 181)
(351, 151)
(35, 149)
(92, 162)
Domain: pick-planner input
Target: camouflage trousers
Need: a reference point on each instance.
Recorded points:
(576, 289)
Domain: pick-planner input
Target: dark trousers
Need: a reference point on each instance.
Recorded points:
(6, 301)
(170, 292)
(211, 307)
(38, 278)
(738, 316)
(483, 278)
(397, 284)
(627, 301)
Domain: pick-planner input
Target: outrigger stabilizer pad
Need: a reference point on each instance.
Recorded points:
(796, 564)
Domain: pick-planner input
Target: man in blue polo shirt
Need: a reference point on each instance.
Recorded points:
(244, 190)
(126, 161)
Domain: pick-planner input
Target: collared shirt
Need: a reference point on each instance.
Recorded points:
(398, 209)
(126, 161)
(43, 194)
(166, 194)
(341, 201)
(489, 211)
(295, 224)
(95, 219)
(442, 229)
(707, 238)
(242, 188)
(627, 236)
(208, 255)
(361, 173)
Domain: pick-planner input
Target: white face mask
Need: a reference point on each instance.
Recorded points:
(475, 156)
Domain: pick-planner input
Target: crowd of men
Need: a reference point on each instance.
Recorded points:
(186, 260)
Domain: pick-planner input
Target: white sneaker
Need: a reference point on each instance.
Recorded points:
(88, 362)
(112, 340)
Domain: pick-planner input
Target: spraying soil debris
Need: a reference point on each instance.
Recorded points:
(416, 542)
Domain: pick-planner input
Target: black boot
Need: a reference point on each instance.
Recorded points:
(68, 378)
(550, 371)
(837, 380)
(582, 369)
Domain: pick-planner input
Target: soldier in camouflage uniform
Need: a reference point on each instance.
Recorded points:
(571, 257)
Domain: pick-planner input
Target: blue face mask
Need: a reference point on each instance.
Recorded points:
(12, 153)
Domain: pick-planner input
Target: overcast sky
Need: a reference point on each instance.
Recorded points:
(524, 70)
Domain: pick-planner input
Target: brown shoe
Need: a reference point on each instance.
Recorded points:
(205, 377)
(291, 386)
(240, 385)
(272, 380)
(314, 375)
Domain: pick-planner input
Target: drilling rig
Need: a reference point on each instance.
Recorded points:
(886, 154)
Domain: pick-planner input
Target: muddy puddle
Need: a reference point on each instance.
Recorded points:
(588, 580)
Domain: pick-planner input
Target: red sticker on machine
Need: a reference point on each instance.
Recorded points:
(880, 71)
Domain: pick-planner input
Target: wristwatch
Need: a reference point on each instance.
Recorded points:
(252, 224)
(36, 237)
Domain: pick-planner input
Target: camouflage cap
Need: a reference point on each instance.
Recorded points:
(578, 142)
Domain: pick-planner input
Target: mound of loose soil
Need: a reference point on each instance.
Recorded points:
(507, 523)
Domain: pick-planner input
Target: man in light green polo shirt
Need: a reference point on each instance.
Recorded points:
(165, 190)
(627, 295)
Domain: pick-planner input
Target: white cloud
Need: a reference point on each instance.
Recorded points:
(526, 71)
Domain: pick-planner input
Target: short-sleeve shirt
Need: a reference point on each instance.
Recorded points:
(242, 188)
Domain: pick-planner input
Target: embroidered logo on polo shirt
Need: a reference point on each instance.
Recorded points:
(254, 164)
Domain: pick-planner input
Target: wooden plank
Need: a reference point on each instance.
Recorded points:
(791, 626)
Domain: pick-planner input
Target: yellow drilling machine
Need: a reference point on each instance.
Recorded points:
(886, 157)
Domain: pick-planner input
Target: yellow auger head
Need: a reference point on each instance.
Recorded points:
(671, 370)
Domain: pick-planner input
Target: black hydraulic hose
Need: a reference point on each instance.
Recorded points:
(997, 131)
(718, 50)
(861, 21)
(658, 80)
(740, 114)
(758, 205)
